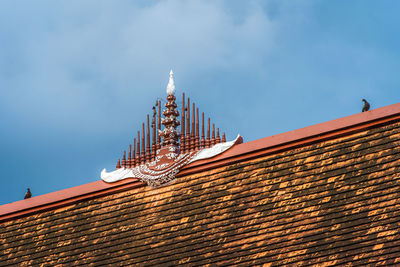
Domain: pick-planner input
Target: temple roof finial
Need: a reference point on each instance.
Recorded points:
(157, 162)
(170, 135)
(171, 85)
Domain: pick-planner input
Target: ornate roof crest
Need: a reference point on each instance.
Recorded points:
(158, 163)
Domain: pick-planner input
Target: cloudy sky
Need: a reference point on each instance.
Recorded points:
(77, 78)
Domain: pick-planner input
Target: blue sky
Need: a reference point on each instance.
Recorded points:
(77, 78)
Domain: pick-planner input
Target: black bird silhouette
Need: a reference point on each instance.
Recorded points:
(28, 194)
(366, 106)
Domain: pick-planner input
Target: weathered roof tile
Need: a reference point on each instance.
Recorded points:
(331, 202)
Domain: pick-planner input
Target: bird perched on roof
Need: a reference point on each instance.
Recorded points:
(366, 106)
(28, 194)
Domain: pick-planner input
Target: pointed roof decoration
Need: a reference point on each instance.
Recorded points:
(171, 84)
(170, 134)
(158, 163)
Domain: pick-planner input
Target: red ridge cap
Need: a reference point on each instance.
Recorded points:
(64, 197)
(237, 153)
(315, 132)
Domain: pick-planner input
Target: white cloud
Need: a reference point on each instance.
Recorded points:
(78, 66)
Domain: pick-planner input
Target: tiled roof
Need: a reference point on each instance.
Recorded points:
(331, 200)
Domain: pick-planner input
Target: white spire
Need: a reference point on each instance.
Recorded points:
(171, 85)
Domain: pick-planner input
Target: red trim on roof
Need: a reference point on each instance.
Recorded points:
(64, 197)
(238, 153)
(317, 132)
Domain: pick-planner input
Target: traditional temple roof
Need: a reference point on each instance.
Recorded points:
(328, 194)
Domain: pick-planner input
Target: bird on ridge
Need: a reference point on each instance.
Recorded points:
(28, 194)
(366, 105)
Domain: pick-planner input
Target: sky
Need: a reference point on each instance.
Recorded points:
(77, 78)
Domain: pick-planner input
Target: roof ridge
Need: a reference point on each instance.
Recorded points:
(272, 144)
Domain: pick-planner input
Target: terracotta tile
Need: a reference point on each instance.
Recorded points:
(328, 203)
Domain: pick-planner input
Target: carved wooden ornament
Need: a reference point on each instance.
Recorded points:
(160, 168)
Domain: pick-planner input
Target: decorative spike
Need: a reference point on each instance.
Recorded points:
(192, 135)
(197, 141)
(138, 158)
(143, 153)
(203, 141)
(183, 124)
(118, 164)
(123, 163)
(170, 135)
(188, 118)
(223, 138)
(187, 137)
(148, 152)
(193, 121)
(153, 127)
(171, 85)
(134, 153)
(129, 165)
(153, 152)
(208, 141)
(213, 135)
(159, 125)
(218, 140)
